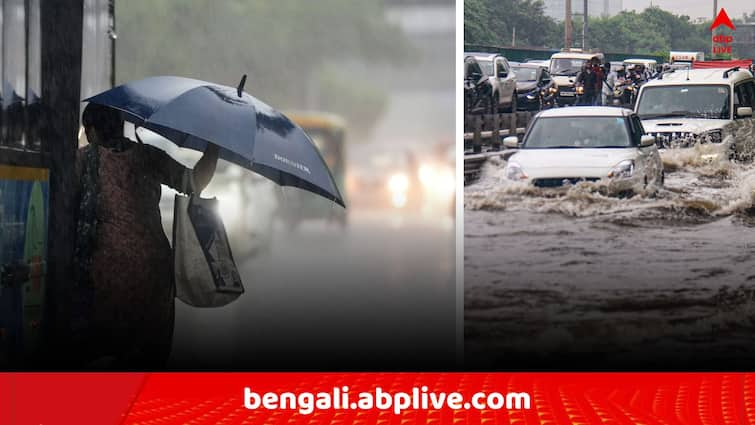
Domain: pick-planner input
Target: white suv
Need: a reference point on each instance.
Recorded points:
(501, 78)
(687, 108)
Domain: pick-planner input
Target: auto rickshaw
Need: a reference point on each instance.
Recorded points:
(327, 131)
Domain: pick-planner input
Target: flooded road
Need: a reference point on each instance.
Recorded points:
(573, 279)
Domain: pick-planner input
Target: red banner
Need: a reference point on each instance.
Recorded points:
(725, 64)
(377, 398)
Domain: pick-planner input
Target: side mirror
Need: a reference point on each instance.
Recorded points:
(744, 112)
(511, 142)
(647, 140)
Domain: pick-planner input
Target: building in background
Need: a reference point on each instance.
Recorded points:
(595, 8)
(743, 46)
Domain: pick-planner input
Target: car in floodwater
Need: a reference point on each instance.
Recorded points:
(566, 146)
(535, 87)
(688, 108)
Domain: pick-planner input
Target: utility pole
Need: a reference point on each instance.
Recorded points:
(567, 25)
(715, 12)
(61, 24)
(584, 27)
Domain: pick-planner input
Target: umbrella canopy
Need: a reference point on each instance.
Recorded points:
(192, 113)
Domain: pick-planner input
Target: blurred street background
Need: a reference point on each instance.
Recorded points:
(373, 83)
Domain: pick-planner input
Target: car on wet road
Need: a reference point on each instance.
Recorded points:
(689, 108)
(497, 81)
(596, 144)
(535, 87)
(564, 68)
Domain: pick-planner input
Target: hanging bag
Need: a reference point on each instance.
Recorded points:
(205, 272)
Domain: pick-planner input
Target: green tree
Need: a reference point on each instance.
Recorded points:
(493, 22)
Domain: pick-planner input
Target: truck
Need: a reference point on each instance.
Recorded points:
(686, 57)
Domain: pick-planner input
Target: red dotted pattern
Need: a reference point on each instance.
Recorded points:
(557, 398)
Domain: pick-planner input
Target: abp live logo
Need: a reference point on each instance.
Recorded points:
(721, 42)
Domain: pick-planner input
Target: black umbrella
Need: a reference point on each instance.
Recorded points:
(249, 133)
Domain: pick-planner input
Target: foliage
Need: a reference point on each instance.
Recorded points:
(652, 31)
(493, 22)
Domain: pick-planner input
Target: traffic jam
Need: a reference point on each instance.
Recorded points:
(607, 205)
(619, 119)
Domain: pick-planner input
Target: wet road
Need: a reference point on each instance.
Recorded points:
(572, 279)
(379, 294)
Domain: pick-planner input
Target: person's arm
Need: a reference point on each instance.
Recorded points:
(205, 168)
(174, 175)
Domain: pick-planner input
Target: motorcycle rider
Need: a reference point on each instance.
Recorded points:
(599, 77)
(609, 84)
(586, 79)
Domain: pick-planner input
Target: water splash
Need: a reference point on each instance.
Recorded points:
(701, 184)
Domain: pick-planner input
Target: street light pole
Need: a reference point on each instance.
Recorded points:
(567, 25)
(584, 27)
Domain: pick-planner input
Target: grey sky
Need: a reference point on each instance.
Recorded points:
(695, 8)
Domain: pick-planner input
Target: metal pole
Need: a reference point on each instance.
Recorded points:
(513, 37)
(567, 25)
(713, 33)
(584, 27)
(113, 36)
(61, 34)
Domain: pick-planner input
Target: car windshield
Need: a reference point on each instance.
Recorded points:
(525, 74)
(578, 132)
(486, 65)
(687, 101)
(564, 66)
(472, 68)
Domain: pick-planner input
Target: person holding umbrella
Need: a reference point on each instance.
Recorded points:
(123, 258)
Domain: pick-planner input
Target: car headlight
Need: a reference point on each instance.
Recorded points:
(514, 172)
(398, 182)
(622, 170)
(398, 186)
(713, 136)
(229, 204)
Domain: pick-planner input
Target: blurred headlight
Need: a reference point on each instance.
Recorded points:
(398, 183)
(437, 180)
(514, 172)
(622, 170)
(229, 204)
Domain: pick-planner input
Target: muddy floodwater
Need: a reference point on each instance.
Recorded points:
(570, 278)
